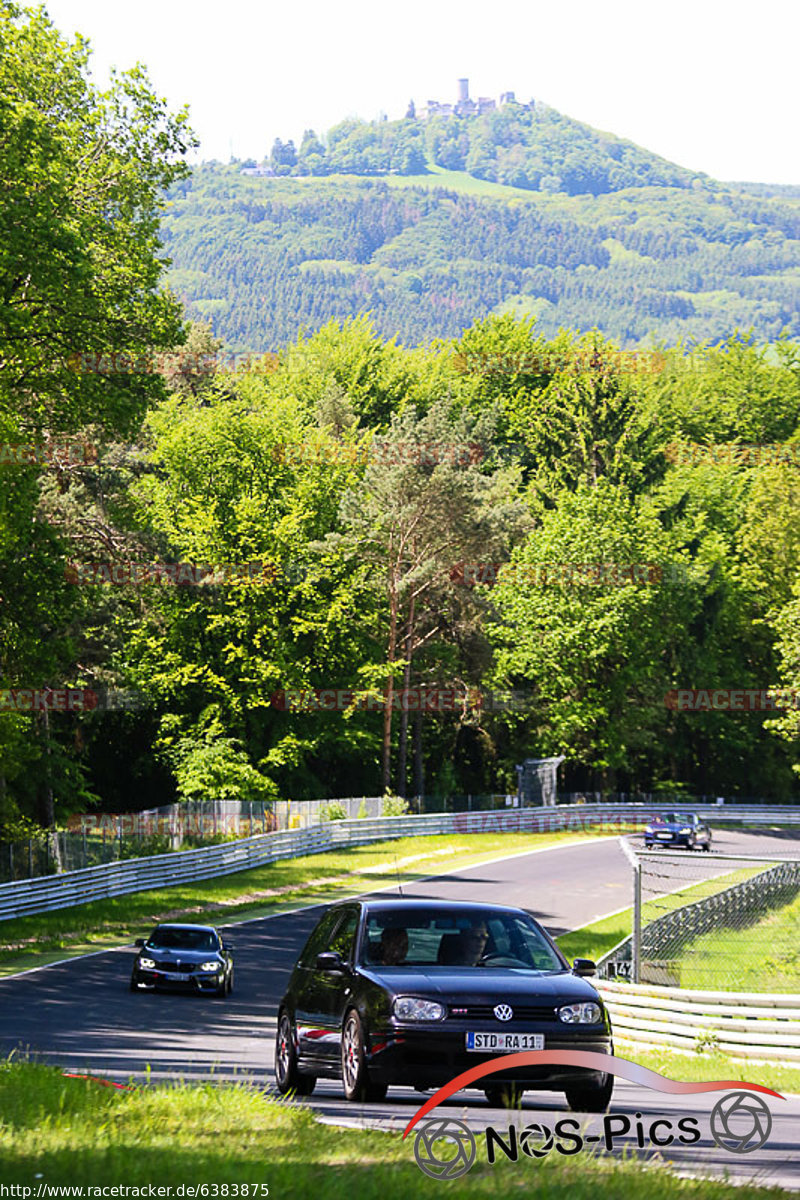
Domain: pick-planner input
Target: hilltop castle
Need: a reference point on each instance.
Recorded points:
(466, 107)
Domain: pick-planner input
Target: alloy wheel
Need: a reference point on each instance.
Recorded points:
(283, 1055)
(351, 1053)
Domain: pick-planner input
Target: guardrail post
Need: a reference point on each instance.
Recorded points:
(636, 940)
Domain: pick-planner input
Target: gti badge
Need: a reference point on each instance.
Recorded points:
(503, 1012)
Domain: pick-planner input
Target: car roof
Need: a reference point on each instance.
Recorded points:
(185, 925)
(412, 904)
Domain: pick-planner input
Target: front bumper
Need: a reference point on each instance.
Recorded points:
(431, 1058)
(197, 982)
(674, 839)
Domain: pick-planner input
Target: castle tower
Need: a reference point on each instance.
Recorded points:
(463, 90)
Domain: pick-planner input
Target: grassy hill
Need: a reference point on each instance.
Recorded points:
(427, 248)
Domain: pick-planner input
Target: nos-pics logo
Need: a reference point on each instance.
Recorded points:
(445, 1148)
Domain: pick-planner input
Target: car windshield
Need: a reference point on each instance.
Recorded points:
(170, 938)
(675, 818)
(472, 938)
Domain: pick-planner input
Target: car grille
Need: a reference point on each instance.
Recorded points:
(485, 1012)
(175, 966)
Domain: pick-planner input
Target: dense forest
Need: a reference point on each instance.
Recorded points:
(338, 618)
(356, 564)
(263, 257)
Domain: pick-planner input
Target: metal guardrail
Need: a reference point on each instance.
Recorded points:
(749, 1025)
(163, 870)
(570, 816)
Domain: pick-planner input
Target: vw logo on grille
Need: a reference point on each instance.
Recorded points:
(503, 1012)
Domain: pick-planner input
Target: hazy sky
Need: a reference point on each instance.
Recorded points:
(709, 84)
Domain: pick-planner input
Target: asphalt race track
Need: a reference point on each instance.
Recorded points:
(81, 1015)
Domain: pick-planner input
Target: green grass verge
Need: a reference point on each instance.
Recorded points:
(763, 957)
(700, 1068)
(65, 1132)
(47, 937)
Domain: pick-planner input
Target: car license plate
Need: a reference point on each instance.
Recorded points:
(178, 976)
(666, 836)
(504, 1043)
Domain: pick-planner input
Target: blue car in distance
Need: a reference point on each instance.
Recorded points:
(684, 830)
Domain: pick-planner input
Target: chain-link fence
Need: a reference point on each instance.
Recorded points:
(94, 838)
(716, 922)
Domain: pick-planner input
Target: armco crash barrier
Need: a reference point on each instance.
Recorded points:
(162, 870)
(748, 1025)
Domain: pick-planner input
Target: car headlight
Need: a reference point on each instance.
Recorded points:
(147, 963)
(412, 1008)
(688, 829)
(581, 1014)
(210, 966)
(648, 828)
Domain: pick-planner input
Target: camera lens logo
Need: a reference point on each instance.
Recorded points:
(536, 1140)
(740, 1122)
(444, 1149)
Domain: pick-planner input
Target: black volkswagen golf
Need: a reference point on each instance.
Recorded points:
(414, 992)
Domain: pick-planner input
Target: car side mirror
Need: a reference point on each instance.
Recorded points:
(227, 946)
(139, 943)
(584, 966)
(329, 960)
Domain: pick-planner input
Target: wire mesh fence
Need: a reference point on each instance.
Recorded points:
(716, 922)
(91, 839)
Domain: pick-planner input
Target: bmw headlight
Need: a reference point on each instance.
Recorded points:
(147, 963)
(412, 1008)
(209, 966)
(581, 1014)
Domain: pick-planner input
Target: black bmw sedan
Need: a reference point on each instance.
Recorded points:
(414, 992)
(184, 958)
